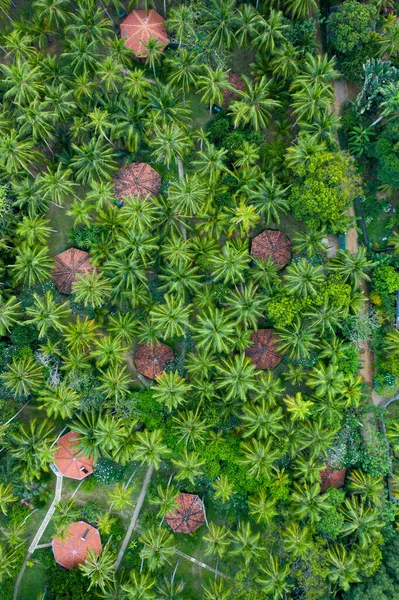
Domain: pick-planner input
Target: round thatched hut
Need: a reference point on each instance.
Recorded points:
(72, 550)
(67, 266)
(188, 516)
(139, 27)
(274, 244)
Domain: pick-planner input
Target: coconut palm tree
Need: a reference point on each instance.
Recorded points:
(123, 326)
(183, 69)
(297, 339)
(298, 541)
(285, 62)
(158, 547)
(262, 508)
(261, 422)
(214, 331)
(342, 568)
(361, 520)
(236, 377)
(56, 184)
(300, 153)
(307, 469)
(189, 427)
(300, 9)
(32, 265)
(311, 100)
(22, 82)
(216, 540)
(6, 496)
(303, 278)
(110, 74)
(32, 448)
(188, 466)
(229, 265)
(216, 590)
(120, 497)
(188, 195)
(169, 144)
(140, 585)
(258, 457)
(17, 154)
(23, 376)
(55, 12)
(316, 438)
(171, 318)
(310, 241)
(92, 161)
(270, 31)
(154, 53)
(223, 490)
(258, 103)
(246, 544)
(33, 230)
(92, 288)
(150, 448)
(82, 55)
(221, 21)
(298, 408)
(172, 390)
(246, 306)
(326, 380)
(211, 86)
(210, 162)
(248, 22)
(80, 334)
(59, 401)
(274, 580)
(181, 22)
(47, 314)
(308, 502)
(9, 314)
(100, 568)
(108, 351)
(165, 500)
(352, 267)
(368, 487)
(115, 381)
(270, 198)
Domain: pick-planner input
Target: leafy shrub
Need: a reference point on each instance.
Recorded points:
(385, 279)
(331, 523)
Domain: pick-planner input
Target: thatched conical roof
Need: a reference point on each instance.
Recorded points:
(67, 266)
(141, 26)
(264, 350)
(151, 359)
(68, 460)
(272, 243)
(72, 550)
(136, 179)
(188, 516)
(332, 478)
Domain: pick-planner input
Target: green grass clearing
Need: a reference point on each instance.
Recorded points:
(33, 582)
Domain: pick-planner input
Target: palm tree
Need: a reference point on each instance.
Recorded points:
(298, 408)
(311, 100)
(59, 401)
(216, 540)
(301, 9)
(246, 306)
(56, 184)
(297, 339)
(274, 579)
(32, 265)
(258, 457)
(172, 390)
(181, 22)
(100, 123)
(169, 589)
(310, 241)
(115, 382)
(22, 82)
(188, 195)
(285, 62)
(307, 469)
(262, 508)
(326, 380)
(189, 427)
(362, 520)
(189, 465)
(165, 500)
(248, 20)
(55, 12)
(23, 376)
(265, 274)
(170, 143)
(214, 331)
(17, 154)
(171, 318)
(123, 326)
(110, 72)
(109, 350)
(210, 162)
(246, 543)
(352, 267)
(9, 314)
(270, 31)
(100, 568)
(298, 541)
(222, 488)
(216, 590)
(183, 69)
(212, 84)
(150, 448)
(158, 547)
(140, 585)
(92, 161)
(79, 335)
(136, 84)
(342, 569)
(229, 265)
(120, 497)
(92, 288)
(47, 314)
(316, 437)
(154, 53)
(236, 376)
(221, 22)
(6, 496)
(368, 487)
(300, 153)
(82, 55)
(270, 198)
(32, 448)
(33, 229)
(257, 101)
(261, 422)
(308, 502)
(303, 278)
